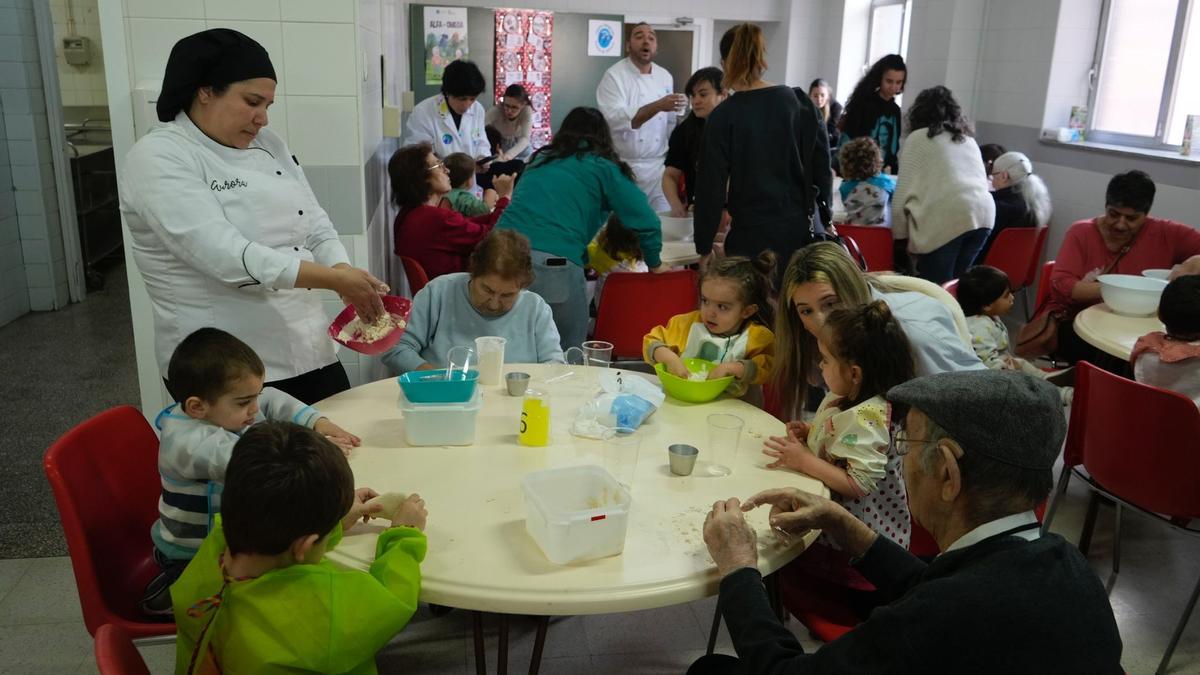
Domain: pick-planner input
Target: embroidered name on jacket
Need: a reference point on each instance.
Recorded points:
(228, 185)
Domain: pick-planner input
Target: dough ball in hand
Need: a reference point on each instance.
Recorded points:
(390, 503)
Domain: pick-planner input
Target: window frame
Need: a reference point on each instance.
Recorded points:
(905, 18)
(1170, 83)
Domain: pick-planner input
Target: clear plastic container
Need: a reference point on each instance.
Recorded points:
(440, 423)
(576, 513)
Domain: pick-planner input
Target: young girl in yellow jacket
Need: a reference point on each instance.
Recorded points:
(730, 328)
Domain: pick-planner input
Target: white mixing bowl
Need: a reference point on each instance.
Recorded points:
(1131, 295)
(675, 229)
(1157, 273)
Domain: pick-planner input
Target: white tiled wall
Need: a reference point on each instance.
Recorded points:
(80, 85)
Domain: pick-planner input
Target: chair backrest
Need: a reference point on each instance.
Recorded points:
(918, 285)
(116, 653)
(1139, 442)
(951, 287)
(104, 474)
(875, 242)
(1017, 251)
(632, 303)
(1043, 288)
(417, 278)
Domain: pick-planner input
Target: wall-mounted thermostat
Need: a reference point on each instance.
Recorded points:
(77, 50)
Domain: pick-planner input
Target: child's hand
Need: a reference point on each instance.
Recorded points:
(411, 513)
(360, 508)
(671, 362)
(726, 369)
(798, 431)
(504, 184)
(788, 452)
(340, 437)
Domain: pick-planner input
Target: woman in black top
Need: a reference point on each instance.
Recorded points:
(704, 91)
(765, 159)
(872, 110)
(831, 111)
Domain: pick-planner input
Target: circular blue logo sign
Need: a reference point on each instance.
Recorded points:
(447, 139)
(604, 37)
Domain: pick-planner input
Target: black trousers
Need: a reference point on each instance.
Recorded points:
(309, 387)
(717, 664)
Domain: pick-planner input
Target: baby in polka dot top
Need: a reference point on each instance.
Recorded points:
(864, 352)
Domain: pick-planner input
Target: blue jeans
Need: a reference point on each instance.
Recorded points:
(562, 285)
(953, 258)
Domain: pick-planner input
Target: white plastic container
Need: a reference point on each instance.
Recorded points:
(675, 229)
(576, 513)
(1131, 295)
(440, 423)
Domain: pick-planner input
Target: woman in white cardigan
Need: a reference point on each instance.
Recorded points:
(941, 205)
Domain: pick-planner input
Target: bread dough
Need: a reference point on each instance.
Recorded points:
(391, 502)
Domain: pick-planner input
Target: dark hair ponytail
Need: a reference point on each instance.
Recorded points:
(871, 338)
(752, 276)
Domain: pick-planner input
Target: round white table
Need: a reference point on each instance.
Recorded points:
(480, 556)
(1113, 333)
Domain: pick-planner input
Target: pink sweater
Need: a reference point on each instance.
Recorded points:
(1160, 244)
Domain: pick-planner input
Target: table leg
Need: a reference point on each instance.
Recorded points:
(539, 643)
(477, 628)
(502, 648)
(716, 627)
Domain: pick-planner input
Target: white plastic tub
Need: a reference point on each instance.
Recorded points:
(1131, 295)
(576, 513)
(440, 423)
(675, 229)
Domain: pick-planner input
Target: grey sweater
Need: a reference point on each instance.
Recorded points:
(443, 317)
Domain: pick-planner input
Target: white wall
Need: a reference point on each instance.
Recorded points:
(80, 85)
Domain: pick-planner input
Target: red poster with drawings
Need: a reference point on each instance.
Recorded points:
(524, 55)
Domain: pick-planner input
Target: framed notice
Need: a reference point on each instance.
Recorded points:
(604, 38)
(524, 56)
(445, 40)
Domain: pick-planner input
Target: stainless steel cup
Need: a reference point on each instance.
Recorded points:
(683, 458)
(517, 383)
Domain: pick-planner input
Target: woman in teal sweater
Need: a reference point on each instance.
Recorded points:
(563, 199)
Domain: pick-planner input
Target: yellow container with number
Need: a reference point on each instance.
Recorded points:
(535, 419)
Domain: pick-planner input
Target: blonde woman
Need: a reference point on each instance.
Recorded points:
(821, 278)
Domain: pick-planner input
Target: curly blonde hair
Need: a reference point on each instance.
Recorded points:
(860, 159)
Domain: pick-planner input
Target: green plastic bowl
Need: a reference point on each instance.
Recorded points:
(692, 392)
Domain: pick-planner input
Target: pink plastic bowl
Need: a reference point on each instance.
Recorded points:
(395, 305)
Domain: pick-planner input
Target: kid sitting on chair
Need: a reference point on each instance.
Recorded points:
(258, 597)
(731, 328)
(217, 381)
(1171, 360)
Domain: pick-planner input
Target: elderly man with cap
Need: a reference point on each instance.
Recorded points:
(978, 449)
(225, 228)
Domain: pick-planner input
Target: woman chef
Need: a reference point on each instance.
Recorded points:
(225, 228)
(452, 121)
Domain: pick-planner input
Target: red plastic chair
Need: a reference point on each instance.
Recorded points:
(115, 653)
(1043, 289)
(633, 303)
(417, 278)
(951, 287)
(875, 242)
(1017, 251)
(104, 474)
(1154, 474)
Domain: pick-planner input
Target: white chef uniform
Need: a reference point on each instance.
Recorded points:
(622, 91)
(218, 234)
(431, 122)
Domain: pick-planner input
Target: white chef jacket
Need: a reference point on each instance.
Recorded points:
(430, 122)
(218, 234)
(622, 91)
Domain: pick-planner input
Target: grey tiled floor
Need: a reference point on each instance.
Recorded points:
(41, 629)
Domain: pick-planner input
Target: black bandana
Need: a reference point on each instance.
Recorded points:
(211, 58)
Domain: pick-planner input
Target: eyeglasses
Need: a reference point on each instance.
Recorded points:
(903, 443)
(435, 167)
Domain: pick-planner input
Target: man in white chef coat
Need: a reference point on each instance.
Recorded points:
(452, 120)
(638, 100)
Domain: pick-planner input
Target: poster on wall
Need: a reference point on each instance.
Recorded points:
(602, 38)
(524, 56)
(445, 39)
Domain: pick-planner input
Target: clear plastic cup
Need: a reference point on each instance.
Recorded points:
(597, 353)
(621, 448)
(459, 360)
(724, 436)
(490, 352)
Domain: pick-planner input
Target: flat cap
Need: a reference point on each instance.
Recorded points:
(1004, 415)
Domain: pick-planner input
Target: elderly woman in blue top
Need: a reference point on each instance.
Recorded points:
(489, 299)
(562, 201)
(224, 226)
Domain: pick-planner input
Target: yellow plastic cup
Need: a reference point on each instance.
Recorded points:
(535, 419)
